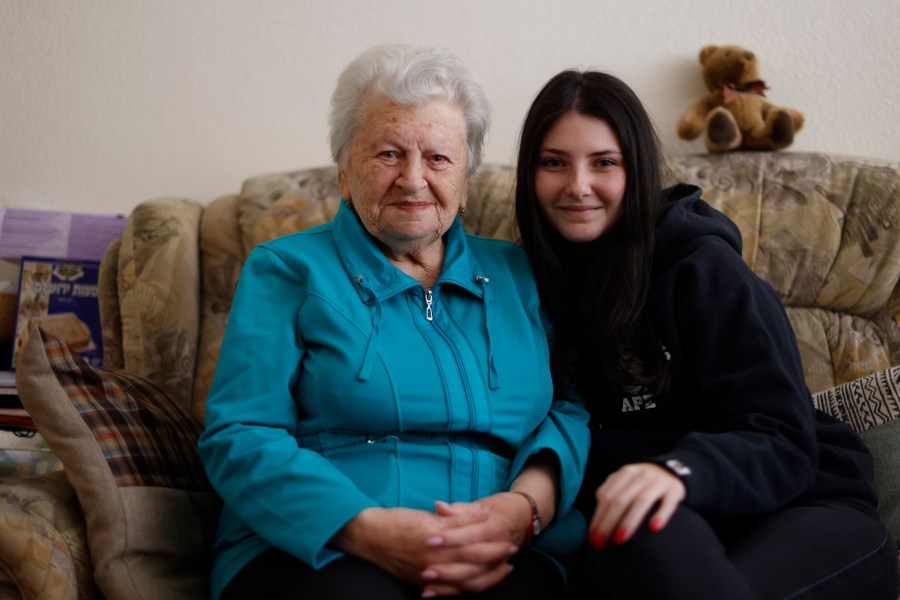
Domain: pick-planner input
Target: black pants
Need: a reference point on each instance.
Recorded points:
(826, 551)
(275, 575)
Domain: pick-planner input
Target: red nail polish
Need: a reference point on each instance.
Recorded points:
(655, 525)
(620, 536)
(598, 540)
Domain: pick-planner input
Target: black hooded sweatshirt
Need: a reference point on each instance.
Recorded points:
(737, 413)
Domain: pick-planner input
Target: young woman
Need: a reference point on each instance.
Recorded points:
(711, 475)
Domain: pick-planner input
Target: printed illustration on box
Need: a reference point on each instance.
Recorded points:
(60, 296)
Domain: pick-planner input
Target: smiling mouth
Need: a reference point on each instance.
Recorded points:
(580, 213)
(580, 208)
(412, 205)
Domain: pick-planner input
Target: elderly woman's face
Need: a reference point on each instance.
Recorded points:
(406, 176)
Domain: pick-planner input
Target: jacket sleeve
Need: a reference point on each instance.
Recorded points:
(291, 497)
(564, 432)
(754, 446)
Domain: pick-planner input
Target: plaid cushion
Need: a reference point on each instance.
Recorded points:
(129, 451)
(146, 437)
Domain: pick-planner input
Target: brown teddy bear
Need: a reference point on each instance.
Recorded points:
(735, 113)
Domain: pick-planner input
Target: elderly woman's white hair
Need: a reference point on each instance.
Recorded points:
(411, 77)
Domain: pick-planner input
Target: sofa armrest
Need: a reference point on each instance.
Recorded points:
(43, 546)
(158, 289)
(108, 299)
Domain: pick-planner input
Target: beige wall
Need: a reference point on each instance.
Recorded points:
(104, 103)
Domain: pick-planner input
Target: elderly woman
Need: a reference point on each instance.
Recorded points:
(382, 422)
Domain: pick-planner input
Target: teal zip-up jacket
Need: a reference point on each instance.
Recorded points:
(343, 384)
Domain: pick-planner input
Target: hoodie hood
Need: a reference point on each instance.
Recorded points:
(687, 222)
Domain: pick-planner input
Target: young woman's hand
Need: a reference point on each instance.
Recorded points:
(626, 498)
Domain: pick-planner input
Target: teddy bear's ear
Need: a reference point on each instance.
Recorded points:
(704, 54)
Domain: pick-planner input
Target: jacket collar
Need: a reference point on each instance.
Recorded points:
(374, 275)
(376, 279)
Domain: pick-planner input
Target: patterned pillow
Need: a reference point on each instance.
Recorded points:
(871, 406)
(129, 451)
(864, 403)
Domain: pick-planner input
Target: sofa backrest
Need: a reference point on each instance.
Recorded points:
(822, 229)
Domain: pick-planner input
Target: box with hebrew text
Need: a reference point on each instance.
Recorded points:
(59, 296)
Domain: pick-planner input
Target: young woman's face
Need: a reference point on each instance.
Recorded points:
(580, 178)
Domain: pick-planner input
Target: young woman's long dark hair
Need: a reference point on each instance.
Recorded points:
(596, 292)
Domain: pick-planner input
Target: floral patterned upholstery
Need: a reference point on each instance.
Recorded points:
(43, 546)
(825, 232)
(821, 228)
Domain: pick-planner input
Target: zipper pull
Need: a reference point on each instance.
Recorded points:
(428, 313)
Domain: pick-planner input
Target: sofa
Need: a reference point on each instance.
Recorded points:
(132, 516)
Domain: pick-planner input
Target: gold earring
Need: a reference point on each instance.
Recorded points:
(463, 211)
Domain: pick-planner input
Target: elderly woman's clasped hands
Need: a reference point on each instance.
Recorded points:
(461, 547)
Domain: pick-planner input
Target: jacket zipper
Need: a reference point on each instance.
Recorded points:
(428, 313)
